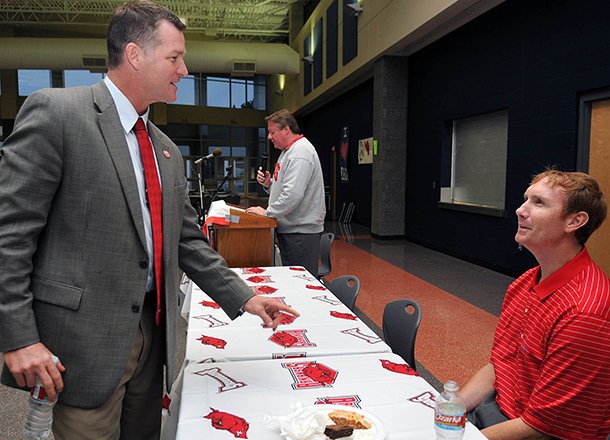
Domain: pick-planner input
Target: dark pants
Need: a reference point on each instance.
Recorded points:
(300, 250)
(487, 413)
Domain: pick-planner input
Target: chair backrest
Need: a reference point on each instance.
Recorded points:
(400, 323)
(326, 241)
(346, 288)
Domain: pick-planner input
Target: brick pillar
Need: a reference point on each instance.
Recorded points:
(390, 130)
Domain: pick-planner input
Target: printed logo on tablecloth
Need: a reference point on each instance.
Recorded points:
(228, 422)
(211, 304)
(212, 320)
(353, 400)
(305, 277)
(291, 338)
(341, 315)
(252, 270)
(309, 375)
(301, 354)
(356, 332)
(398, 368)
(326, 299)
(225, 382)
(426, 398)
(259, 279)
(207, 361)
(214, 342)
(315, 287)
(297, 268)
(286, 319)
(263, 290)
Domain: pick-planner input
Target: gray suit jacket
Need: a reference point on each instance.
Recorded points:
(73, 261)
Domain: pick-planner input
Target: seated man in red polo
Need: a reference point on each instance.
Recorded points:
(549, 375)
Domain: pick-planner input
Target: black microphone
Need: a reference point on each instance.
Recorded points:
(264, 159)
(217, 152)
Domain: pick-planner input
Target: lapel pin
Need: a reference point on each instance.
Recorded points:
(166, 154)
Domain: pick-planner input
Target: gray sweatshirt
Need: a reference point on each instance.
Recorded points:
(296, 194)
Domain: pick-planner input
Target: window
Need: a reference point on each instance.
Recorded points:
(75, 78)
(186, 91)
(31, 80)
(477, 162)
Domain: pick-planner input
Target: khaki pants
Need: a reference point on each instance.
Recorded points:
(133, 412)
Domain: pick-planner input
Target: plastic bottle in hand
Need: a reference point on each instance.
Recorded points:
(39, 415)
(449, 413)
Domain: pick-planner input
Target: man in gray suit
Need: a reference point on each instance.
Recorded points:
(76, 247)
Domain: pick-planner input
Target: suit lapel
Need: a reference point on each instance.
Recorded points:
(113, 134)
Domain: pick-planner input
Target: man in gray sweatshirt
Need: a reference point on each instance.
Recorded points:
(296, 193)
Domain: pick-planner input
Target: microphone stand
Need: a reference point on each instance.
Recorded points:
(200, 178)
(224, 180)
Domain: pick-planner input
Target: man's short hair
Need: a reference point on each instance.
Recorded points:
(137, 22)
(584, 194)
(283, 118)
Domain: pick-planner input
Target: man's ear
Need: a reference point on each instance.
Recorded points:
(577, 220)
(133, 55)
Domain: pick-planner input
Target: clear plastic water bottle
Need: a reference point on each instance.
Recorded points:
(449, 413)
(39, 415)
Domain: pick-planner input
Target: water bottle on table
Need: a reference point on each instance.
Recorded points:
(39, 415)
(449, 413)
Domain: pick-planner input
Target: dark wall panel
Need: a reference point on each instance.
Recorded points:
(318, 52)
(306, 65)
(324, 127)
(534, 59)
(350, 34)
(332, 38)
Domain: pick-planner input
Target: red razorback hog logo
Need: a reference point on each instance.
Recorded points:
(214, 342)
(315, 287)
(398, 368)
(291, 338)
(259, 279)
(336, 314)
(263, 290)
(228, 422)
(211, 304)
(251, 270)
(308, 375)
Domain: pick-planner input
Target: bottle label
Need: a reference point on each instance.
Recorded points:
(450, 422)
(38, 392)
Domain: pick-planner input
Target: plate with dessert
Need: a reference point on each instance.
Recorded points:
(351, 423)
(324, 422)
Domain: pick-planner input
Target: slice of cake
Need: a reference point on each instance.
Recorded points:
(338, 431)
(349, 418)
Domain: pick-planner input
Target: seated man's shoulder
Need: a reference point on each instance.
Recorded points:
(594, 292)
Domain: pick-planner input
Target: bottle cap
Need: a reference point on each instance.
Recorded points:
(451, 386)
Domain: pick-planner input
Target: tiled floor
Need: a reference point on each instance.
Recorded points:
(460, 303)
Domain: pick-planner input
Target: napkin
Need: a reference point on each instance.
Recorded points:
(303, 423)
(308, 423)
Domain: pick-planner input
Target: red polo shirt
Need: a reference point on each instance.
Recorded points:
(551, 352)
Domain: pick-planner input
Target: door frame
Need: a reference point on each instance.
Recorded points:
(584, 126)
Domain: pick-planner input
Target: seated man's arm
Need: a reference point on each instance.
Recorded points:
(515, 429)
(478, 387)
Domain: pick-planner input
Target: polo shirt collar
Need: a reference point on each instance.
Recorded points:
(561, 277)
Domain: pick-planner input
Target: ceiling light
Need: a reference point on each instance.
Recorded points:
(354, 9)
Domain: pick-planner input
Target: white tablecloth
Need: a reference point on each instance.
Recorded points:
(240, 393)
(325, 327)
(238, 371)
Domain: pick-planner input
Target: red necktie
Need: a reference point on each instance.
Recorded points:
(155, 206)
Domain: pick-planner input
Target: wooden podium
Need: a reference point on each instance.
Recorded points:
(248, 241)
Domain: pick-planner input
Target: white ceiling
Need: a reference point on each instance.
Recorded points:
(225, 20)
